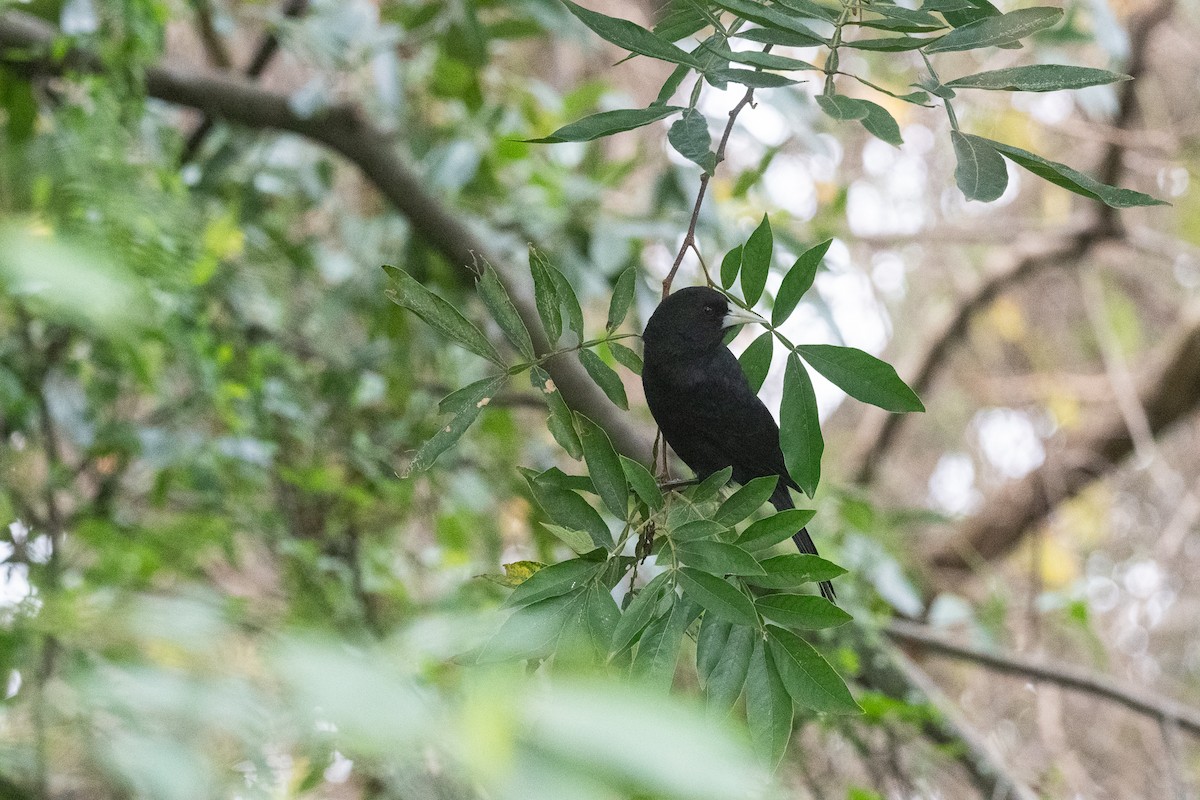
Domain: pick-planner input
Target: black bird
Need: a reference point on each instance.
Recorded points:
(703, 403)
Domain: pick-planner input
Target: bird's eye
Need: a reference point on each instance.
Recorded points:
(708, 309)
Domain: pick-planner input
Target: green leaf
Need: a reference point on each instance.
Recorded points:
(566, 296)
(756, 261)
(496, 298)
(560, 480)
(997, 31)
(748, 78)
(757, 58)
(601, 616)
(444, 318)
(730, 266)
(639, 612)
(774, 529)
(607, 123)
(756, 360)
(841, 107)
(560, 421)
(531, 631)
(466, 405)
(809, 679)
(545, 296)
(724, 682)
(631, 37)
(626, 357)
(718, 558)
(469, 395)
(770, 17)
(916, 17)
(710, 644)
(604, 376)
(1038, 78)
(981, 173)
(552, 581)
(900, 26)
(807, 8)
(797, 282)
(658, 649)
(881, 124)
(671, 85)
(690, 137)
(794, 569)
(709, 487)
(1064, 176)
(774, 36)
(680, 19)
(697, 529)
(768, 706)
(746, 500)
(578, 541)
(890, 44)
(800, 427)
(604, 465)
(962, 12)
(643, 483)
(717, 596)
(806, 611)
(622, 298)
(570, 510)
(862, 376)
(874, 117)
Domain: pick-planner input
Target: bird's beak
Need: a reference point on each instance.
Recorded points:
(739, 316)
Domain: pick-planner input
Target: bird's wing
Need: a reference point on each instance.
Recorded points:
(736, 423)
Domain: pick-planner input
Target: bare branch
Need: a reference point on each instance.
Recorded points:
(878, 431)
(1171, 391)
(1065, 675)
(267, 47)
(214, 45)
(888, 670)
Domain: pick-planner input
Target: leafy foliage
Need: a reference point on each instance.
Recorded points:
(957, 27)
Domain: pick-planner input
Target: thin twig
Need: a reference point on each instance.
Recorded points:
(268, 46)
(1061, 674)
(214, 45)
(689, 240)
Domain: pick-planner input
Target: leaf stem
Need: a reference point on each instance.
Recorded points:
(831, 63)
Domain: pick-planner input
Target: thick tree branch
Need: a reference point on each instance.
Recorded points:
(1171, 391)
(1066, 675)
(344, 130)
(878, 431)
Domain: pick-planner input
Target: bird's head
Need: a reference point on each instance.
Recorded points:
(693, 320)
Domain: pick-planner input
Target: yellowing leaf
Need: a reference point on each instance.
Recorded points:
(515, 573)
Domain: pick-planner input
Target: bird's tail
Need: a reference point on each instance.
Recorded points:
(804, 543)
